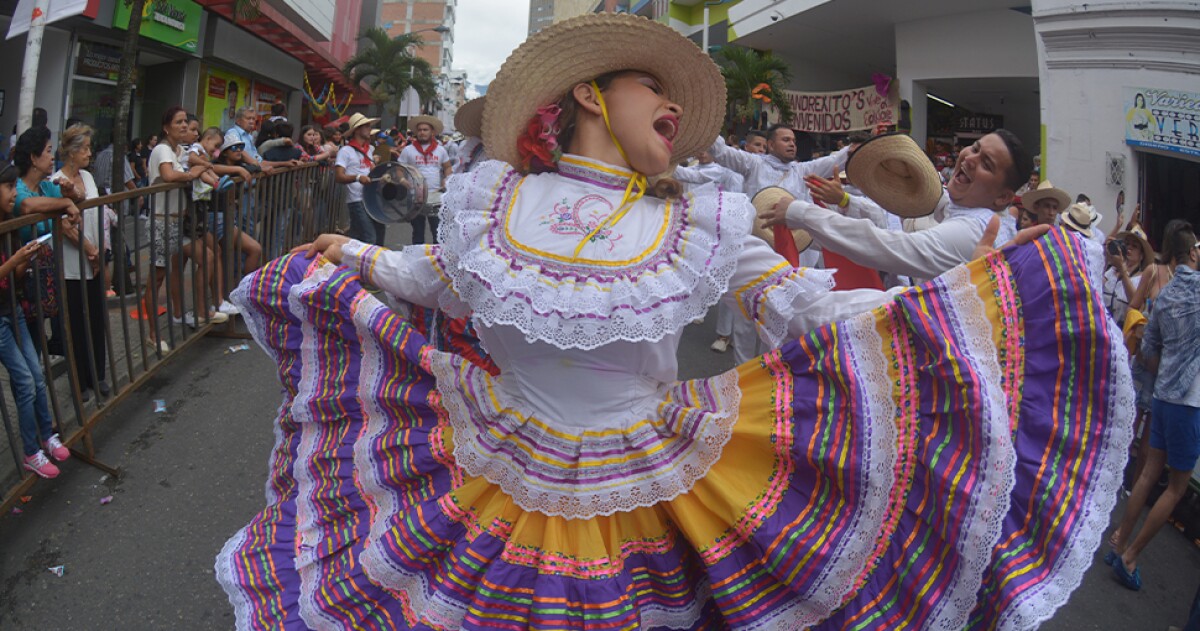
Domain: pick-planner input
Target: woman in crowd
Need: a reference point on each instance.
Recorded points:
(882, 472)
(17, 351)
(312, 142)
(170, 246)
(87, 312)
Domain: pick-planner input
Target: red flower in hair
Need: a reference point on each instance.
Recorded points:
(536, 156)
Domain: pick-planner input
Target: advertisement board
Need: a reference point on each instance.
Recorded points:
(224, 93)
(1167, 120)
(172, 22)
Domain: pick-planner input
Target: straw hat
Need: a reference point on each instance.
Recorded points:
(551, 62)
(1046, 190)
(764, 201)
(895, 173)
(358, 120)
(1080, 218)
(469, 118)
(432, 121)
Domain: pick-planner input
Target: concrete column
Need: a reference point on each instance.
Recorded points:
(914, 92)
(191, 85)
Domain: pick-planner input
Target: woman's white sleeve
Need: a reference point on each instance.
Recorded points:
(414, 274)
(787, 302)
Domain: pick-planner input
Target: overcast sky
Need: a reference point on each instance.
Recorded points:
(485, 32)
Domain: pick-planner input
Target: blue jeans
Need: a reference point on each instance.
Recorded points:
(362, 227)
(28, 384)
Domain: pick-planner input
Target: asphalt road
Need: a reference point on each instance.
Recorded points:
(193, 475)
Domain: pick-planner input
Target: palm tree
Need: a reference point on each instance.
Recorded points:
(389, 68)
(744, 70)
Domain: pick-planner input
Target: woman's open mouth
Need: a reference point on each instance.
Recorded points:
(667, 127)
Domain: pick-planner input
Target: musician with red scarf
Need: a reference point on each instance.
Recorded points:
(354, 164)
(433, 161)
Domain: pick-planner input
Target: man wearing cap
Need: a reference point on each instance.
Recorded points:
(983, 184)
(354, 164)
(431, 159)
(1046, 202)
(778, 166)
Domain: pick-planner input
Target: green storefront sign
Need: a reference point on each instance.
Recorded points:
(173, 22)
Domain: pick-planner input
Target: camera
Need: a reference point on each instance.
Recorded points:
(1116, 248)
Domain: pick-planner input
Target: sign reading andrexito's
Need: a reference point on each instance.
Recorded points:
(1168, 120)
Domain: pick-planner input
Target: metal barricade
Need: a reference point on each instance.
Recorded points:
(172, 257)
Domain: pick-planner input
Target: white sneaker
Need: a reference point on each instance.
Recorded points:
(188, 318)
(228, 308)
(721, 345)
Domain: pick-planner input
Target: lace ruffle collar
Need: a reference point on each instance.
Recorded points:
(507, 239)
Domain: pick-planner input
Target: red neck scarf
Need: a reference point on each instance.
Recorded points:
(433, 144)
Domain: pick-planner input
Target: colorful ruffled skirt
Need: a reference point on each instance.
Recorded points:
(946, 461)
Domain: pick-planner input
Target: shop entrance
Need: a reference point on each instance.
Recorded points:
(1170, 189)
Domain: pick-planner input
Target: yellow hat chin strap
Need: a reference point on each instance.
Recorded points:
(635, 190)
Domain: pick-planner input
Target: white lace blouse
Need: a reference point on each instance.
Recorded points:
(595, 337)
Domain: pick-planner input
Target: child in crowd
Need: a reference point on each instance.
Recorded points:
(230, 164)
(200, 156)
(18, 354)
(281, 148)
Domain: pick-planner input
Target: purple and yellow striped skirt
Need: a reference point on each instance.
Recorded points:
(946, 461)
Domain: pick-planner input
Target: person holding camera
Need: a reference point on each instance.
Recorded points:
(1128, 255)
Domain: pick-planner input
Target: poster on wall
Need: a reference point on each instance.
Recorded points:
(1167, 120)
(224, 94)
(845, 111)
(264, 97)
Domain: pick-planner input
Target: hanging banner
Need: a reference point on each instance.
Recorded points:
(1168, 120)
(224, 93)
(843, 112)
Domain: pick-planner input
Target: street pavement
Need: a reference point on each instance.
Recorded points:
(193, 475)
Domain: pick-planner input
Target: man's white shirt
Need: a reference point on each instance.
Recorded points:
(763, 170)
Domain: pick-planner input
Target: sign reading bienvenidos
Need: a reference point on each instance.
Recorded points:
(846, 111)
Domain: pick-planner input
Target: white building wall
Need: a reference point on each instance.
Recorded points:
(978, 45)
(1093, 51)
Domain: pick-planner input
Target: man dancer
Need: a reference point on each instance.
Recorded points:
(777, 167)
(985, 180)
(430, 158)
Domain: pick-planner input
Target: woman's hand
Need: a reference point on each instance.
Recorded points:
(25, 253)
(987, 242)
(329, 245)
(92, 254)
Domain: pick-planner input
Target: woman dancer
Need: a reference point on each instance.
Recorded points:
(926, 464)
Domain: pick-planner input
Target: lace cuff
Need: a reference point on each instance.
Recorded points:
(776, 299)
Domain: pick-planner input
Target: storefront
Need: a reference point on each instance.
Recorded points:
(1163, 128)
(226, 84)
